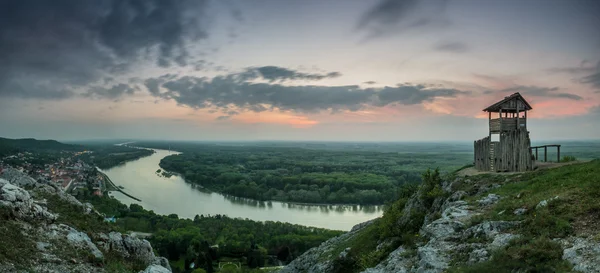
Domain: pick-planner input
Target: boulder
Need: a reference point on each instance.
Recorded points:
(490, 228)
(396, 262)
(19, 204)
(156, 269)
(130, 247)
(17, 178)
(544, 203)
(520, 211)
(76, 238)
(489, 200)
(442, 228)
(583, 254)
(478, 255)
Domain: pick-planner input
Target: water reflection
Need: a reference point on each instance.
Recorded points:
(174, 195)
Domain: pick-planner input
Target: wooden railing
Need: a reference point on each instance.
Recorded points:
(505, 124)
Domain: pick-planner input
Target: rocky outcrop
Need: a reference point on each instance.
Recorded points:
(156, 269)
(18, 203)
(447, 238)
(130, 247)
(59, 247)
(319, 259)
(397, 261)
(583, 254)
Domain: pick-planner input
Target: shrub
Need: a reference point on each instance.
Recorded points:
(568, 158)
(524, 254)
(431, 187)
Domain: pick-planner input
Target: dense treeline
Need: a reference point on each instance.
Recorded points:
(106, 156)
(187, 239)
(301, 175)
(13, 146)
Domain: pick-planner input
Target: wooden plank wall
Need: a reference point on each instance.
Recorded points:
(513, 153)
(482, 154)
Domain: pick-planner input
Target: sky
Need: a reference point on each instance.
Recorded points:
(354, 70)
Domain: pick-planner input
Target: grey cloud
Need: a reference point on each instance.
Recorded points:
(48, 49)
(220, 118)
(275, 73)
(370, 82)
(115, 92)
(542, 92)
(593, 78)
(234, 91)
(395, 15)
(454, 47)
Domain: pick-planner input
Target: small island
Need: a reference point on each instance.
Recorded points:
(161, 173)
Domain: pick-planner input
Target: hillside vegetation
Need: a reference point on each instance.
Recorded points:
(541, 221)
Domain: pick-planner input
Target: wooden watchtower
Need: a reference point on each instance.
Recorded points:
(507, 146)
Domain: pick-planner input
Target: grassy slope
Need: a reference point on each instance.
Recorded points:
(576, 212)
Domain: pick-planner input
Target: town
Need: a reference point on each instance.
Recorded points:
(65, 170)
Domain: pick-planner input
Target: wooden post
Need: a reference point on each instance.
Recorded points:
(545, 153)
(525, 118)
(536, 154)
(490, 125)
(558, 154)
(501, 122)
(518, 125)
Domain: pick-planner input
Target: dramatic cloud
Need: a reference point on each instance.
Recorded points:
(234, 91)
(274, 73)
(542, 92)
(114, 92)
(50, 48)
(454, 47)
(395, 15)
(593, 77)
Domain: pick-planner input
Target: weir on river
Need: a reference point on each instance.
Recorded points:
(168, 195)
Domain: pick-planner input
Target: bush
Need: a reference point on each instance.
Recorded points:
(431, 188)
(524, 254)
(568, 158)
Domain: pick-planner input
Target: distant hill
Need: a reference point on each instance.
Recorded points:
(10, 146)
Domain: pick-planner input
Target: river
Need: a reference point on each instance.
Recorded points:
(173, 195)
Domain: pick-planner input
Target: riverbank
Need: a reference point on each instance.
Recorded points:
(115, 187)
(175, 196)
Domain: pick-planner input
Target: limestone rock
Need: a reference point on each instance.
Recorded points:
(478, 255)
(520, 211)
(396, 262)
(311, 262)
(489, 200)
(76, 239)
(583, 254)
(155, 269)
(17, 178)
(490, 228)
(130, 247)
(20, 205)
(544, 203)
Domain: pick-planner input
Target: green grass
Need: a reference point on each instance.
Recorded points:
(73, 215)
(522, 255)
(578, 189)
(15, 247)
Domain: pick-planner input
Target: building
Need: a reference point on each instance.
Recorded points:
(507, 148)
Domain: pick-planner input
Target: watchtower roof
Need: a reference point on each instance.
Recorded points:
(510, 104)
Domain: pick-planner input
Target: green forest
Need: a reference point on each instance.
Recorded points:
(303, 175)
(106, 156)
(207, 239)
